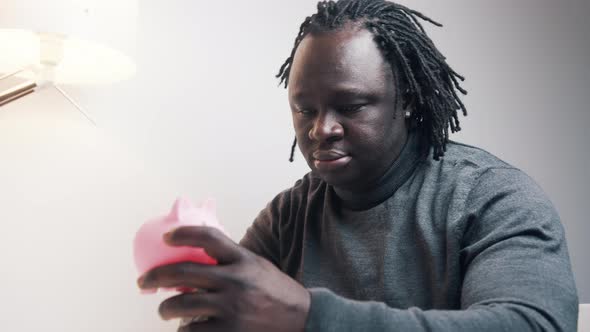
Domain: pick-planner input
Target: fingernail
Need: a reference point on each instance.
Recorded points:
(141, 281)
(168, 236)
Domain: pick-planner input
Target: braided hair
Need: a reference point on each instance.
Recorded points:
(422, 72)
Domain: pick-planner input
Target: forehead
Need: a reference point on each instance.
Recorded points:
(342, 59)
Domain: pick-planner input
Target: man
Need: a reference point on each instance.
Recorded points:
(396, 227)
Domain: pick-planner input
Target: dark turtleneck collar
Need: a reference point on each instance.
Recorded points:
(401, 169)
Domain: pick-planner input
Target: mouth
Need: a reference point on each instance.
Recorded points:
(330, 160)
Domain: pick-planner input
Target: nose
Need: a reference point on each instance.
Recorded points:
(326, 128)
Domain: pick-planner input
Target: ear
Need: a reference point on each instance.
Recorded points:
(408, 103)
(209, 205)
(181, 205)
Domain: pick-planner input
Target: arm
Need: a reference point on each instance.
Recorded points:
(262, 237)
(246, 291)
(517, 275)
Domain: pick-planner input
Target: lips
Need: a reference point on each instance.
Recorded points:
(330, 160)
(328, 155)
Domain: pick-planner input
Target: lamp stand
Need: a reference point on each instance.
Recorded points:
(25, 88)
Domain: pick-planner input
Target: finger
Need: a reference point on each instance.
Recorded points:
(215, 243)
(191, 275)
(211, 325)
(190, 305)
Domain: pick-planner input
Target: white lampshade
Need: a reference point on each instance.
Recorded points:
(69, 41)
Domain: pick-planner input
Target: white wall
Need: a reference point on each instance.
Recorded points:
(204, 117)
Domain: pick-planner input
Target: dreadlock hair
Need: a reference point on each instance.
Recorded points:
(422, 73)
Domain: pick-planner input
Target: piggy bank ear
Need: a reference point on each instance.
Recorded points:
(209, 205)
(180, 208)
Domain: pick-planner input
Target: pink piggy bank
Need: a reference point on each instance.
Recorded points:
(151, 251)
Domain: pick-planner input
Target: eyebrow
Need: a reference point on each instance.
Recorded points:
(339, 92)
(352, 92)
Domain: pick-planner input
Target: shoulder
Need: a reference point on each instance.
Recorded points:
(471, 177)
(276, 224)
(463, 165)
(486, 170)
(462, 155)
(494, 194)
(308, 188)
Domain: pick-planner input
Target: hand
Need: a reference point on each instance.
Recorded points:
(244, 292)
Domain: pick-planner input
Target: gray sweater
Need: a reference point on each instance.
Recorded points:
(467, 243)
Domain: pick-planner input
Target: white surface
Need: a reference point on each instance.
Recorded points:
(584, 320)
(205, 117)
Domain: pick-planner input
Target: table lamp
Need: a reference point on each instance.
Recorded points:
(49, 43)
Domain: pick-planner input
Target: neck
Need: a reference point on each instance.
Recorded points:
(384, 186)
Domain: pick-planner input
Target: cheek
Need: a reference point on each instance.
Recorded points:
(304, 143)
(376, 138)
(301, 131)
(370, 134)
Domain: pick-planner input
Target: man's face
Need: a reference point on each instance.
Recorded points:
(343, 101)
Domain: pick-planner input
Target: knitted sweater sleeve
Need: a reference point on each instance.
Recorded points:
(262, 237)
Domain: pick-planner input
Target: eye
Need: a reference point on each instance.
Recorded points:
(305, 112)
(351, 108)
